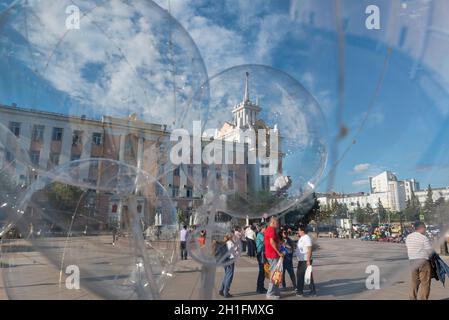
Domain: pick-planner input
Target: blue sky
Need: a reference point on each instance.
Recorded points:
(407, 129)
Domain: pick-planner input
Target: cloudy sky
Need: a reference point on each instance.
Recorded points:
(119, 57)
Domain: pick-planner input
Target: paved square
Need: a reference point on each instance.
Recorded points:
(339, 271)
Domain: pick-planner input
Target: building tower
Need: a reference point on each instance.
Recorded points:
(245, 113)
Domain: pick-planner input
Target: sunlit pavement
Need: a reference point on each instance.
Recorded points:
(339, 272)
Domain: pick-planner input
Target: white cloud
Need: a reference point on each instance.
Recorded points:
(362, 182)
(119, 62)
(361, 167)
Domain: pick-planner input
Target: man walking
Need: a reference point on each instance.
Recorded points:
(419, 250)
(183, 240)
(304, 255)
(272, 243)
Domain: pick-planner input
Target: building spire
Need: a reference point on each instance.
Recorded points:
(246, 97)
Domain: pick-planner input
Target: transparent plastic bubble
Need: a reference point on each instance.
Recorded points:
(209, 245)
(214, 241)
(126, 63)
(111, 238)
(261, 136)
(16, 172)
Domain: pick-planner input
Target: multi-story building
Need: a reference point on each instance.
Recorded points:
(246, 130)
(411, 186)
(437, 193)
(391, 192)
(386, 189)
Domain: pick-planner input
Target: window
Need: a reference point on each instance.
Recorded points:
(189, 192)
(54, 159)
(218, 174)
(9, 156)
(38, 133)
(139, 208)
(15, 128)
(35, 157)
(77, 138)
(175, 192)
(94, 164)
(74, 158)
(176, 172)
(159, 190)
(57, 134)
(97, 138)
(114, 208)
(190, 170)
(403, 36)
(312, 18)
(204, 172)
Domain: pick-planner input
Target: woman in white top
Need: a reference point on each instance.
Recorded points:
(304, 255)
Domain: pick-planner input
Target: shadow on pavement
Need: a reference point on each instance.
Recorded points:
(340, 287)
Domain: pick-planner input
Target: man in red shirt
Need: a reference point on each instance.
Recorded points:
(272, 243)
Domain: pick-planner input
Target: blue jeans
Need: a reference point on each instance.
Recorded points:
(273, 290)
(288, 267)
(227, 279)
(261, 275)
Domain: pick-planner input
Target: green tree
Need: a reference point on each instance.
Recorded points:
(182, 217)
(369, 211)
(413, 208)
(8, 196)
(381, 212)
(360, 214)
(429, 204)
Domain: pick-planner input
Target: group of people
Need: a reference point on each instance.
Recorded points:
(272, 243)
(277, 245)
(247, 236)
(268, 243)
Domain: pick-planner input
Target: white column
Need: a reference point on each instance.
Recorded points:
(122, 147)
(66, 145)
(86, 152)
(46, 146)
(25, 142)
(140, 146)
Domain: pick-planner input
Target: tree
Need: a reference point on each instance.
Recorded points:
(429, 204)
(369, 212)
(9, 191)
(182, 219)
(360, 215)
(381, 212)
(412, 208)
(323, 214)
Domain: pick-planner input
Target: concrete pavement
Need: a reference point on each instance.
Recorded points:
(339, 273)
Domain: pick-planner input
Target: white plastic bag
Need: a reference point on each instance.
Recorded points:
(308, 275)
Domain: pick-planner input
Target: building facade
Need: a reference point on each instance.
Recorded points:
(385, 188)
(53, 140)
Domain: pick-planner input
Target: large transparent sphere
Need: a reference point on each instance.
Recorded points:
(113, 238)
(128, 63)
(260, 137)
